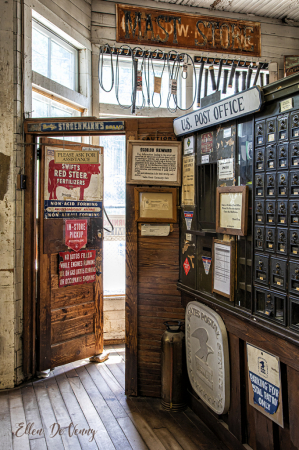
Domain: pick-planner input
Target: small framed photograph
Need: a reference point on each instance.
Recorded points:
(155, 204)
(232, 210)
(154, 163)
(291, 64)
(223, 274)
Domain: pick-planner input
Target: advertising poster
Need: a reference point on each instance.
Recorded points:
(77, 267)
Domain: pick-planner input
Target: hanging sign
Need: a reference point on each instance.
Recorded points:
(75, 234)
(188, 217)
(67, 127)
(207, 260)
(77, 268)
(265, 383)
(207, 142)
(236, 106)
(73, 183)
(147, 26)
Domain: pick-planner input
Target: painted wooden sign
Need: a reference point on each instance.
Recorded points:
(73, 183)
(76, 234)
(147, 26)
(291, 64)
(77, 267)
(72, 126)
(233, 107)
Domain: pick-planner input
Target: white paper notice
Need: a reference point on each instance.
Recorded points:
(154, 230)
(154, 163)
(205, 159)
(226, 169)
(222, 259)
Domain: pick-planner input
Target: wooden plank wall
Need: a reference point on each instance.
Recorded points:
(243, 423)
(155, 261)
(278, 39)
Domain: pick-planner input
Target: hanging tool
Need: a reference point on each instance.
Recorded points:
(173, 73)
(225, 76)
(101, 65)
(184, 57)
(206, 82)
(237, 76)
(231, 75)
(157, 80)
(243, 80)
(261, 79)
(212, 74)
(219, 75)
(257, 73)
(248, 80)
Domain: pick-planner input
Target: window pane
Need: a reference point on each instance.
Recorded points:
(40, 52)
(45, 107)
(39, 107)
(114, 171)
(114, 267)
(62, 65)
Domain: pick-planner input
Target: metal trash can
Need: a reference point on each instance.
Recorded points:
(173, 391)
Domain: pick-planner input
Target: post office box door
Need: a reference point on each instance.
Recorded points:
(294, 155)
(271, 157)
(278, 273)
(270, 239)
(259, 212)
(259, 185)
(294, 213)
(259, 238)
(270, 212)
(294, 242)
(271, 130)
(294, 183)
(282, 184)
(282, 212)
(261, 269)
(271, 184)
(283, 127)
(282, 241)
(260, 133)
(259, 159)
(283, 156)
(294, 125)
(294, 277)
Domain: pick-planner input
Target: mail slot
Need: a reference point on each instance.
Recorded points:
(271, 184)
(259, 237)
(282, 241)
(294, 242)
(294, 312)
(261, 269)
(294, 213)
(294, 277)
(259, 159)
(282, 212)
(282, 154)
(259, 185)
(278, 273)
(294, 146)
(270, 239)
(271, 129)
(260, 133)
(282, 182)
(260, 212)
(270, 304)
(270, 212)
(295, 125)
(271, 157)
(283, 127)
(294, 183)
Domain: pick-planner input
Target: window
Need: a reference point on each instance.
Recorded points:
(46, 107)
(53, 57)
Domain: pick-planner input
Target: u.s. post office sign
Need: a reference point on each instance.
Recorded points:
(148, 26)
(241, 104)
(207, 356)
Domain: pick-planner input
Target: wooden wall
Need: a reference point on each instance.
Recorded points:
(152, 298)
(278, 39)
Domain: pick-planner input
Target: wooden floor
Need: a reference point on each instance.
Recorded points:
(84, 397)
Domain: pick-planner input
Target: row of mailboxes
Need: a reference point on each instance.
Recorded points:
(277, 240)
(280, 212)
(272, 271)
(277, 184)
(277, 157)
(277, 129)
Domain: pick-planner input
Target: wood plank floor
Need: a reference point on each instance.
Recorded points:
(83, 406)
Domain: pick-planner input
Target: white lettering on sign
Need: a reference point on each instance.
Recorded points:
(238, 105)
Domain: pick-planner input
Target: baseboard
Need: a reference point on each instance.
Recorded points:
(113, 341)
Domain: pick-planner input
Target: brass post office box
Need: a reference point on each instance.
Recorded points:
(261, 269)
(259, 185)
(294, 125)
(278, 273)
(270, 304)
(294, 155)
(259, 159)
(270, 212)
(282, 212)
(260, 212)
(294, 242)
(282, 241)
(294, 277)
(283, 127)
(270, 239)
(294, 213)
(260, 133)
(271, 184)
(294, 183)
(271, 130)
(271, 157)
(259, 237)
(282, 183)
(283, 156)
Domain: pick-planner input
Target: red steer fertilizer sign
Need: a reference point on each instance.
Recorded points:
(73, 183)
(76, 234)
(77, 268)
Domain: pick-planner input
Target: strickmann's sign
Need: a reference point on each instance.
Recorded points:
(147, 26)
(246, 102)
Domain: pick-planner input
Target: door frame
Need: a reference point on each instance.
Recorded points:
(35, 128)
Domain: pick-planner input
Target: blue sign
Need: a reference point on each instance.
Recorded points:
(265, 394)
(71, 208)
(62, 127)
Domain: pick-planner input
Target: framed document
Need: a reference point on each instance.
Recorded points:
(223, 256)
(155, 204)
(232, 210)
(154, 162)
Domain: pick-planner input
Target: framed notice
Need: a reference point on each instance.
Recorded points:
(154, 162)
(155, 205)
(223, 256)
(232, 210)
(188, 182)
(291, 64)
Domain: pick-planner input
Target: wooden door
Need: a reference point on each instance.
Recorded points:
(69, 319)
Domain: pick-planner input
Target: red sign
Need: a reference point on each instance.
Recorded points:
(76, 234)
(77, 268)
(186, 266)
(206, 142)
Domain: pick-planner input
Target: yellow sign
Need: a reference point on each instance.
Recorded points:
(76, 157)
